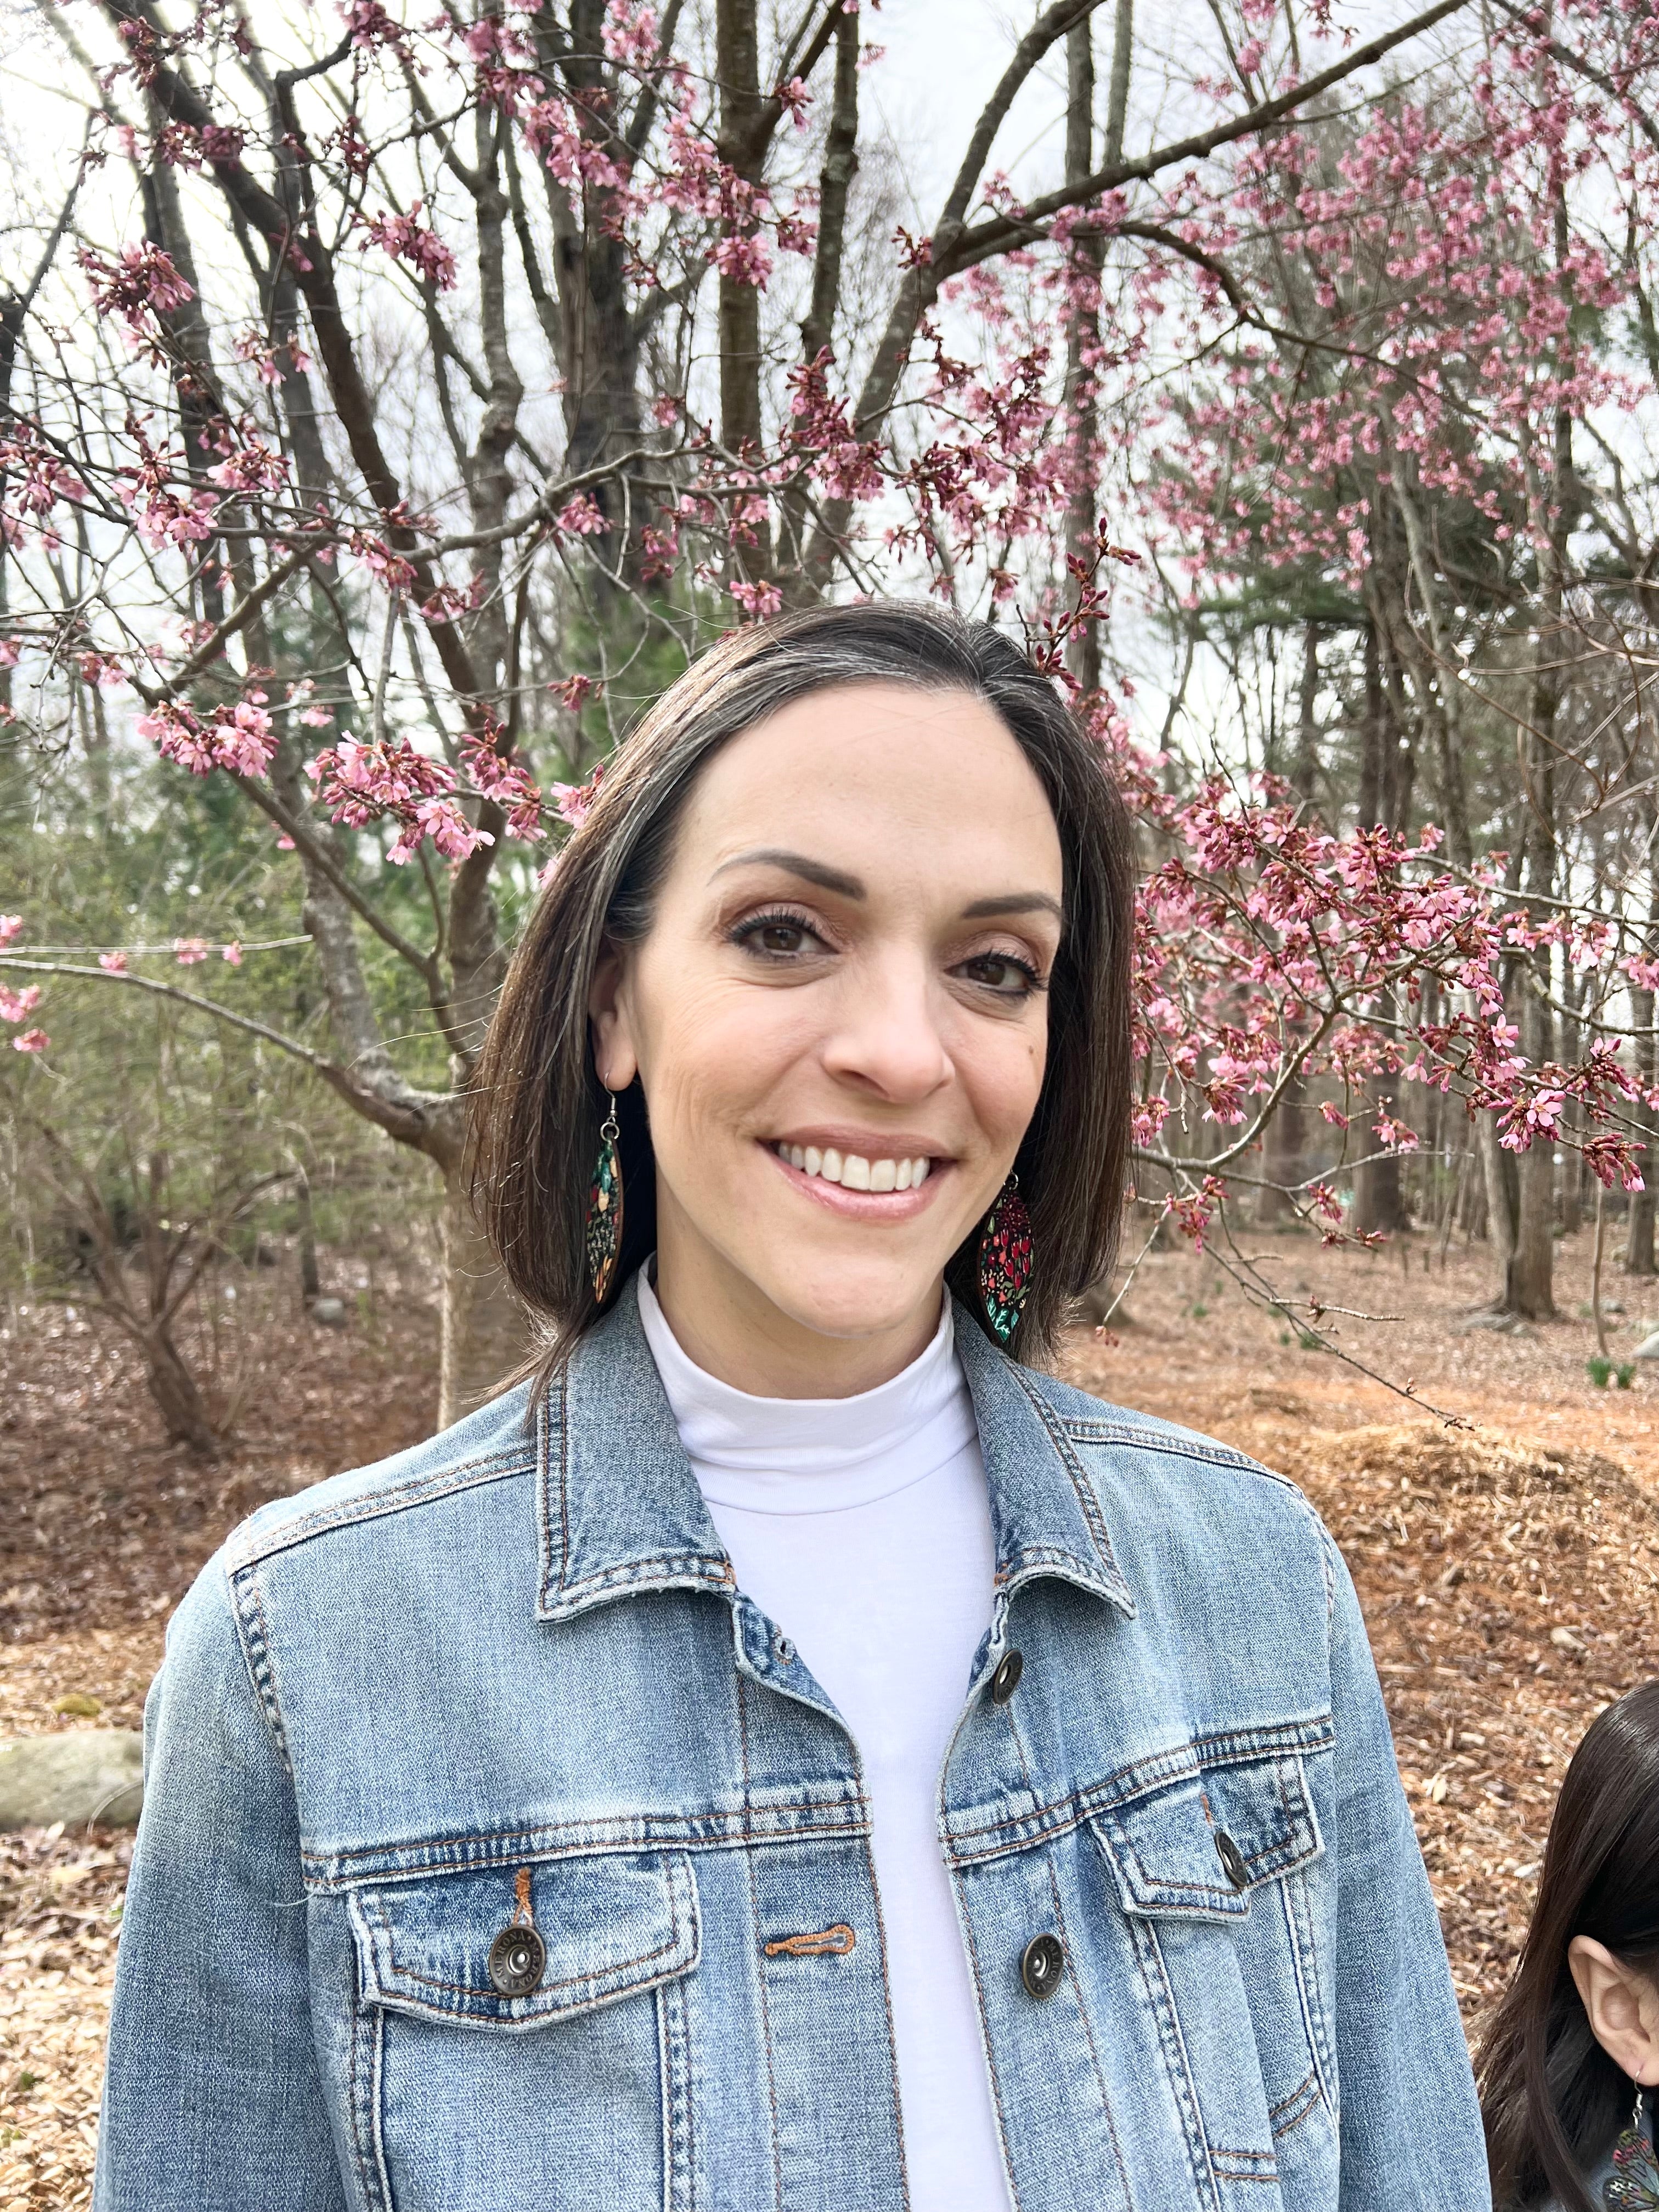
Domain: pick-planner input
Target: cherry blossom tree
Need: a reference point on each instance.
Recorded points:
(390, 406)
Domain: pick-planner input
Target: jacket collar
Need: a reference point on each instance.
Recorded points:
(620, 1511)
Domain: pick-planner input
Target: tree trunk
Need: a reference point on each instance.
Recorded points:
(1081, 337)
(177, 1398)
(1639, 1225)
(1528, 1275)
(1379, 1205)
(484, 1336)
(1283, 1147)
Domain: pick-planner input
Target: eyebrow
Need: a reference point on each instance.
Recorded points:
(853, 887)
(1015, 902)
(797, 864)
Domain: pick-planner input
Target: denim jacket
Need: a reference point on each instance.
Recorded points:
(504, 1685)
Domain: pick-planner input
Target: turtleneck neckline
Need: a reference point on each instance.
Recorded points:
(813, 1455)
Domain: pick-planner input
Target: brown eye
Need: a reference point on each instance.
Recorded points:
(775, 936)
(1002, 973)
(779, 937)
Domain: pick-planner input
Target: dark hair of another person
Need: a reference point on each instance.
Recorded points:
(537, 1102)
(1553, 2100)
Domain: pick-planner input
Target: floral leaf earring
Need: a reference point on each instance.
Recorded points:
(604, 1207)
(1634, 2184)
(1004, 1260)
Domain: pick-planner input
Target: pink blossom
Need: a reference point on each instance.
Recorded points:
(188, 951)
(572, 801)
(113, 963)
(582, 516)
(18, 1005)
(232, 954)
(758, 600)
(403, 238)
(744, 260)
(10, 927)
(31, 1041)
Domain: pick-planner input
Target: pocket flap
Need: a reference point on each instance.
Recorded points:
(609, 1925)
(1178, 1849)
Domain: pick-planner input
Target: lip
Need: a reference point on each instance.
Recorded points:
(882, 1206)
(868, 1144)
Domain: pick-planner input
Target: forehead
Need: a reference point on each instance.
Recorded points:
(881, 775)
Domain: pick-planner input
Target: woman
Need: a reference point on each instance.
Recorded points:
(789, 1753)
(1573, 2050)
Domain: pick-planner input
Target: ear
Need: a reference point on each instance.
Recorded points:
(616, 1058)
(1621, 2005)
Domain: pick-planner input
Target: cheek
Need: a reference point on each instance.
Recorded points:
(712, 1053)
(1001, 1067)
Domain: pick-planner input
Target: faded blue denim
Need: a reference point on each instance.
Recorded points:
(521, 1648)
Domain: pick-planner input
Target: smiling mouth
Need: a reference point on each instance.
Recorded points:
(852, 1171)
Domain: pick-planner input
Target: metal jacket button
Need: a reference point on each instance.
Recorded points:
(518, 1958)
(1232, 1858)
(1041, 1964)
(1006, 1680)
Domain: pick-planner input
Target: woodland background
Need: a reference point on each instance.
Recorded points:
(393, 399)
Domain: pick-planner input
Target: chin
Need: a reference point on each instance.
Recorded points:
(851, 1305)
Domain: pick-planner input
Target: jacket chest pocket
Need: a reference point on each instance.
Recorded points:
(535, 2013)
(1217, 1878)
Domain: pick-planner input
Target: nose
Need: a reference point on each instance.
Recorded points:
(886, 1040)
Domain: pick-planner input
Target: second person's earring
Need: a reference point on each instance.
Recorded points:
(604, 1208)
(1004, 1260)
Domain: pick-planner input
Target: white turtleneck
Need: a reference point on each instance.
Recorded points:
(861, 1527)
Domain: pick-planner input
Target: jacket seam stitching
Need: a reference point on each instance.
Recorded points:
(991, 2059)
(760, 1965)
(1083, 1488)
(1175, 2058)
(622, 1820)
(1080, 1805)
(261, 1670)
(419, 1490)
(1077, 1984)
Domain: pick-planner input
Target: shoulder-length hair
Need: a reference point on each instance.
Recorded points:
(1553, 2099)
(538, 1102)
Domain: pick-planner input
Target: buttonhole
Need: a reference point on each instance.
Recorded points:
(828, 1943)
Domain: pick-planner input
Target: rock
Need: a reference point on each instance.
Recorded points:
(93, 1774)
(78, 1706)
(1648, 1348)
(1564, 1640)
(1500, 1324)
(328, 1313)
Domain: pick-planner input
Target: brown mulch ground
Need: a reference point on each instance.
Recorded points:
(1510, 1573)
(102, 1529)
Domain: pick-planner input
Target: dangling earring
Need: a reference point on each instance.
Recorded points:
(1004, 1260)
(1633, 2186)
(604, 1207)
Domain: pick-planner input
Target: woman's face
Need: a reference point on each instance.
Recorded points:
(839, 1018)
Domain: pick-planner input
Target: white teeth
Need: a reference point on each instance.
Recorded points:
(852, 1171)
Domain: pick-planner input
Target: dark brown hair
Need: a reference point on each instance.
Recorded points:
(1553, 2099)
(538, 1102)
